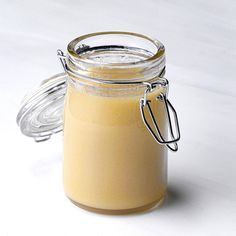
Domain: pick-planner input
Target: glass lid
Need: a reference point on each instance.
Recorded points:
(41, 112)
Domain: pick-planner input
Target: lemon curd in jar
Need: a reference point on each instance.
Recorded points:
(112, 164)
(118, 122)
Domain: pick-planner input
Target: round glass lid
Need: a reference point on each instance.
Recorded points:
(41, 112)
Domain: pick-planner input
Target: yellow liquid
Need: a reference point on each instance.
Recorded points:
(111, 162)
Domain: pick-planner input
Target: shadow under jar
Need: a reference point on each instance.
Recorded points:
(118, 124)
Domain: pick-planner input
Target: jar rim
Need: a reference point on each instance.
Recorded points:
(160, 49)
(114, 57)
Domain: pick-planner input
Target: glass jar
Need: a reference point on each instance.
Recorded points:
(116, 121)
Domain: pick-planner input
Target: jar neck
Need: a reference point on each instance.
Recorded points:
(115, 62)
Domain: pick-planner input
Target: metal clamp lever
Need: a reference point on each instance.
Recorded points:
(62, 58)
(159, 137)
(144, 102)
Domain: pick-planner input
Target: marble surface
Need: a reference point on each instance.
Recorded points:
(200, 41)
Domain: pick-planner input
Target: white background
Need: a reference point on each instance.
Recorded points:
(200, 39)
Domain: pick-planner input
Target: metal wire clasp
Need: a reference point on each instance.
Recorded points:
(62, 58)
(144, 102)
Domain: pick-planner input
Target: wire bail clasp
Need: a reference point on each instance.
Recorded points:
(144, 102)
(62, 58)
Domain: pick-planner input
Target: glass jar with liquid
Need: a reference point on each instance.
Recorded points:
(117, 121)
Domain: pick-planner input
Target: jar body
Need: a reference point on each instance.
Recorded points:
(112, 164)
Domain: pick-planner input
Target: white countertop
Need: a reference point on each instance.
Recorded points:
(200, 41)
